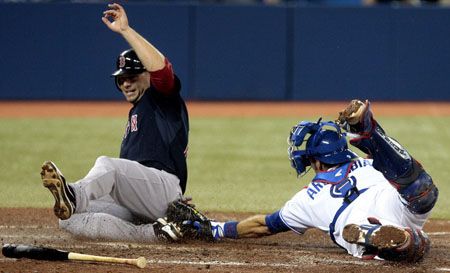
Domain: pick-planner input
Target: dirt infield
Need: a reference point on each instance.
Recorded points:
(287, 252)
(19, 109)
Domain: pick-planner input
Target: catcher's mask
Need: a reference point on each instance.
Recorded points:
(325, 143)
(127, 64)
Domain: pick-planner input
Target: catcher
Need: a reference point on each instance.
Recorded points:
(372, 208)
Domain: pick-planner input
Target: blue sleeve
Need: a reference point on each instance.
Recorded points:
(275, 224)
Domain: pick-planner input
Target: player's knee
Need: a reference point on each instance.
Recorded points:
(421, 195)
(104, 161)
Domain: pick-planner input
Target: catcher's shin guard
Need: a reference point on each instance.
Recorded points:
(401, 170)
(420, 195)
(390, 158)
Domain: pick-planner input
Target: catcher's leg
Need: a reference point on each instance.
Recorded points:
(417, 246)
(389, 157)
(389, 242)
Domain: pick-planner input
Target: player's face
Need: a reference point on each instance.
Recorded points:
(134, 86)
(316, 165)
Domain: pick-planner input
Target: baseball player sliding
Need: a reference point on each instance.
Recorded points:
(126, 198)
(373, 208)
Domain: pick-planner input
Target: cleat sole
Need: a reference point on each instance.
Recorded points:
(52, 179)
(386, 237)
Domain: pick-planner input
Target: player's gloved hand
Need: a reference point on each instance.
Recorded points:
(181, 210)
(185, 216)
(187, 200)
(200, 230)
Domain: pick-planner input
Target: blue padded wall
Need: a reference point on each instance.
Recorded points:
(232, 52)
(240, 52)
(64, 51)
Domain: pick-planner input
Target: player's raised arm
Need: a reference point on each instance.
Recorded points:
(115, 18)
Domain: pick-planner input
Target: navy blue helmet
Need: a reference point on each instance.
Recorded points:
(128, 63)
(324, 142)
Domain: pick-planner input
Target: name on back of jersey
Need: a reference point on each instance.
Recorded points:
(338, 189)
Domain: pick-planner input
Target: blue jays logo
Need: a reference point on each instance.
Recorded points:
(344, 188)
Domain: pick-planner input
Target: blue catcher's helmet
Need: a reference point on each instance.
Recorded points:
(325, 143)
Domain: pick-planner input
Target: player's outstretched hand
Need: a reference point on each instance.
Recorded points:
(202, 230)
(115, 18)
(193, 223)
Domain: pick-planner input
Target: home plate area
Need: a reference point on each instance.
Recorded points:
(287, 252)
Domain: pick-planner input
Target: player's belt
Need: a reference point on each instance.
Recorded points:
(347, 201)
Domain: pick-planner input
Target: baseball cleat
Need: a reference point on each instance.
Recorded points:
(415, 249)
(55, 182)
(167, 231)
(357, 117)
(378, 236)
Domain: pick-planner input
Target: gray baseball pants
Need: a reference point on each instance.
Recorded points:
(119, 199)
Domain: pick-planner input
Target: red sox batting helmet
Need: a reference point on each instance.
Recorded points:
(128, 63)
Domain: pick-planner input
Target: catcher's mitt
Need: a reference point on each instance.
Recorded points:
(192, 222)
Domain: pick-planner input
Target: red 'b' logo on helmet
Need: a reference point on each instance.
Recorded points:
(121, 61)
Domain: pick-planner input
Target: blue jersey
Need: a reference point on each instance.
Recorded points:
(156, 134)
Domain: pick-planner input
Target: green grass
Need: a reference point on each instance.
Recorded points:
(235, 164)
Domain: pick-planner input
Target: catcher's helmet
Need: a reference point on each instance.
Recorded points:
(326, 143)
(128, 63)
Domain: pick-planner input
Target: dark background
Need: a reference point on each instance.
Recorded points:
(63, 51)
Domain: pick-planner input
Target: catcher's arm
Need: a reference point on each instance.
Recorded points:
(253, 227)
(196, 225)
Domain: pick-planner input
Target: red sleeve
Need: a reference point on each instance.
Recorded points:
(163, 80)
